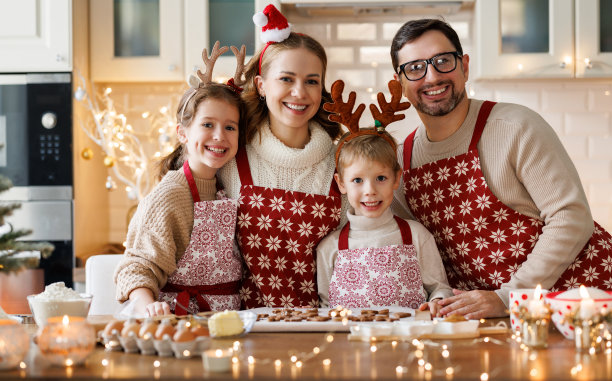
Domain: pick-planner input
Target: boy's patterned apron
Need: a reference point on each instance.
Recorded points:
(377, 276)
(208, 274)
(482, 241)
(278, 231)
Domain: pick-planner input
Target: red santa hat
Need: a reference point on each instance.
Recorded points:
(274, 26)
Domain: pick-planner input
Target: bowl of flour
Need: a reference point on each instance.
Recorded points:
(58, 300)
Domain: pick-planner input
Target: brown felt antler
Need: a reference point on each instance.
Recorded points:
(240, 55)
(388, 115)
(343, 112)
(209, 62)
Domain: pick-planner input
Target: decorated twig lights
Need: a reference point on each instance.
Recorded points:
(127, 152)
(534, 319)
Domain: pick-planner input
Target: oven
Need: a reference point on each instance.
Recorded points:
(36, 155)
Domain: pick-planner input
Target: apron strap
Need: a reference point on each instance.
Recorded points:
(404, 228)
(192, 185)
(244, 170)
(408, 143)
(481, 121)
(184, 293)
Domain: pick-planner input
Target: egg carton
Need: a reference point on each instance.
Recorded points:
(164, 347)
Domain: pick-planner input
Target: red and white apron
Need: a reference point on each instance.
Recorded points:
(482, 241)
(377, 276)
(278, 231)
(207, 277)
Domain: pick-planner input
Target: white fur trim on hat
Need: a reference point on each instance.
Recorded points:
(275, 35)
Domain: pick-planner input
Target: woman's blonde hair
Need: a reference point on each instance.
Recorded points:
(257, 111)
(367, 147)
(186, 111)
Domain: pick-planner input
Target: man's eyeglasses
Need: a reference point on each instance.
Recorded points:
(443, 63)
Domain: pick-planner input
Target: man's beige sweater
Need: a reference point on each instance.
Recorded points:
(527, 169)
(158, 234)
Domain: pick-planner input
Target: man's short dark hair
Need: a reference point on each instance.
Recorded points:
(414, 29)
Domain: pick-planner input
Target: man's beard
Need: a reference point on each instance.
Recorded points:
(444, 107)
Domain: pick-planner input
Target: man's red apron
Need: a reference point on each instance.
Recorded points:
(278, 231)
(482, 241)
(207, 277)
(377, 276)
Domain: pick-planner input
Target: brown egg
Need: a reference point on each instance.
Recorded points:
(199, 330)
(165, 328)
(148, 327)
(113, 326)
(131, 326)
(183, 333)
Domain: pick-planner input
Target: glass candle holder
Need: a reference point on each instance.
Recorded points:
(66, 340)
(534, 332)
(217, 360)
(589, 336)
(14, 343)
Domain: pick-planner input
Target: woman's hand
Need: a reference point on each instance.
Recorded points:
(145, 304)
(475, 304)
(433, 306)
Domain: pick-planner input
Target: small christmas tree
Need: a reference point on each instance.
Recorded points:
(12, 258)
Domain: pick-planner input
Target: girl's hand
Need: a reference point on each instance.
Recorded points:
(157, 309)
(433, 306)
(145, 304)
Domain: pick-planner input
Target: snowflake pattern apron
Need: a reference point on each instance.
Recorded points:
(207, 277)
(482, 241)
(377, 276)
(278, 231)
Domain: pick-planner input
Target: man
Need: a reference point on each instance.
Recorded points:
(498, 190)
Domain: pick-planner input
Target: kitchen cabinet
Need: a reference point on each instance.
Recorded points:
(162, 40)
(542, 39)
(35, 36)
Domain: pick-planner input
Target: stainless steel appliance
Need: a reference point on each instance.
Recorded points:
(36, 154)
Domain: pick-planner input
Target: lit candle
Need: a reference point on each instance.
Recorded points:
(587, 304)
(217, 360)
(66, 340)
(536, 304)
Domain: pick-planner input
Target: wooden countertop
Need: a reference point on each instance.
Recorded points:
(478, 359)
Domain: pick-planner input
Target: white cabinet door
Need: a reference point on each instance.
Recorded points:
(513, 42)
(136, 40)
(593, 38)
(35, 35)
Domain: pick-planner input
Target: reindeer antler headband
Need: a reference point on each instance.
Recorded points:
(205, 78)
(343, 112)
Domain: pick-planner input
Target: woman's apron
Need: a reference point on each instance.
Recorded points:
(278, 231)
(207, 277)
(482, 241)
(377, 276)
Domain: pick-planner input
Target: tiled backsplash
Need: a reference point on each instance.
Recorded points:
(578, 110)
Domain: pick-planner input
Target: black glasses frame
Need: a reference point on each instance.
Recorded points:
(428, 62)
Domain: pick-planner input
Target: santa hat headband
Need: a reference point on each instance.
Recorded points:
(274, 27)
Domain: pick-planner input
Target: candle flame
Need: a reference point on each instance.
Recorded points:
(537, 294)
(218, 353)
(65, 320)
(584, 293)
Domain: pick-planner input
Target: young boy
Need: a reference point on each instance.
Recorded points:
(377, 259)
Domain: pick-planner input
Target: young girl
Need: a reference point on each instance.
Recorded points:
(180, 245)
(284, 175)
(377, 259)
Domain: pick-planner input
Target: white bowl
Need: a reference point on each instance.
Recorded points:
(562, 304)
(42, 309)
(412, 328)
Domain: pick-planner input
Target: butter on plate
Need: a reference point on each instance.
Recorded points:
(226, 323)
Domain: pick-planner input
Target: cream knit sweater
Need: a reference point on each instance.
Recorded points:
(383, 231)
(527, 169)
(158, 234)
(274, 165)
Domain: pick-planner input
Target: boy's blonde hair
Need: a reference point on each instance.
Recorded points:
(367, 147)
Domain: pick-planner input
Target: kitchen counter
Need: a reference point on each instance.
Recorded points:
(496, 357)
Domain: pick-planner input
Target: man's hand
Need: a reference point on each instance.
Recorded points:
(475, 304)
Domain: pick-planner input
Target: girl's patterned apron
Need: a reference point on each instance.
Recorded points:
(377, 276)
(278, 231)
(482, 241)
(208, 274)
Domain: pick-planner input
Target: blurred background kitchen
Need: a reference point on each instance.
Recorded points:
(131, 59)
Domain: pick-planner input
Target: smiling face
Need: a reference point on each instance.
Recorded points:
(369, 186)
(292, 86)
(436, 94)
(211, 139)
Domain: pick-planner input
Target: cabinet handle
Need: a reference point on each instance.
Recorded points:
(59, 58)
(171, 67)
(588, 63)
